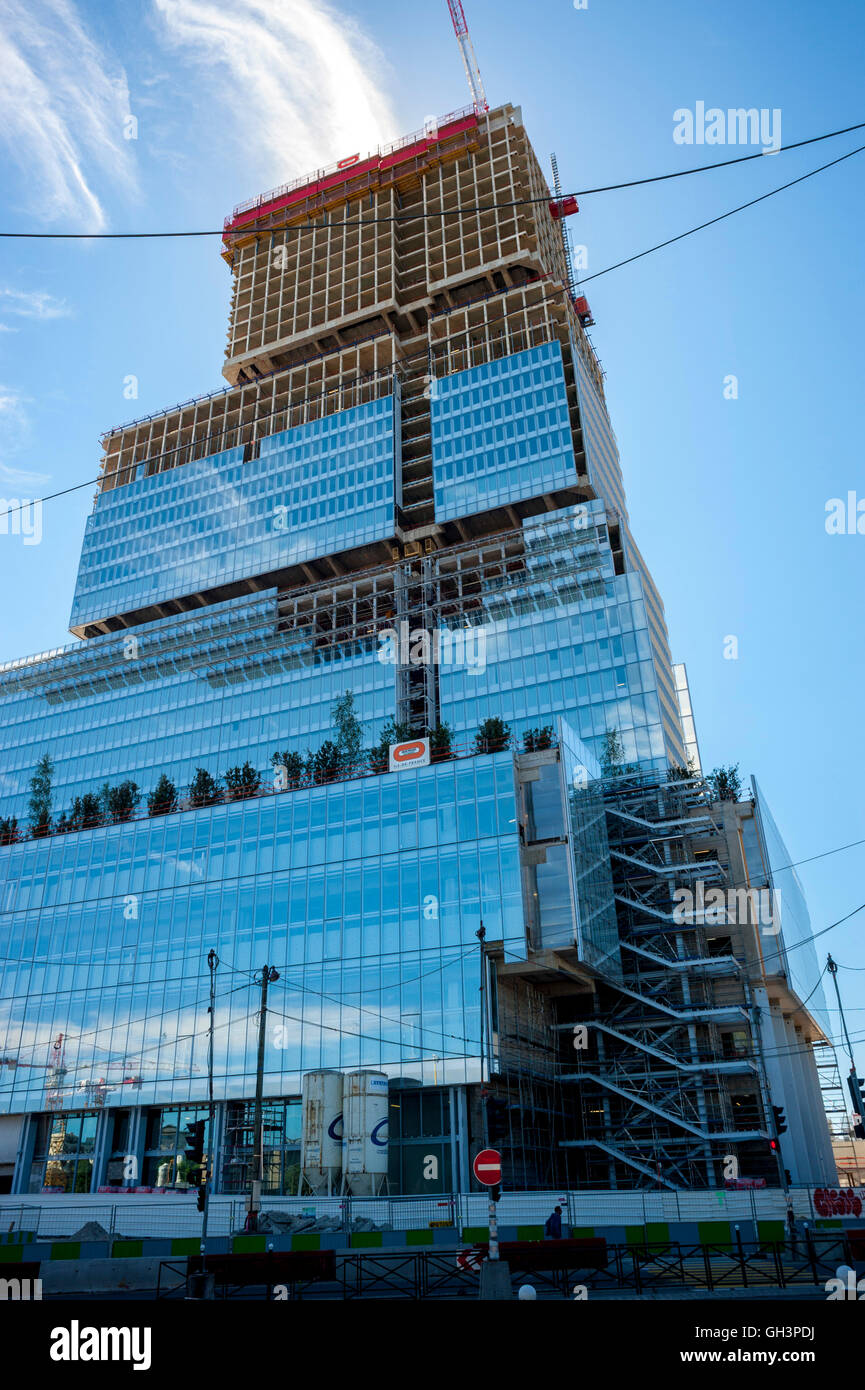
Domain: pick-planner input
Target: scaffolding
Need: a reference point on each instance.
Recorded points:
(671, 1086)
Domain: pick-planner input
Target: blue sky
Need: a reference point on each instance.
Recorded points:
(727, 497)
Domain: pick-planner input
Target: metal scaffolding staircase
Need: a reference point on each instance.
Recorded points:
(654, 1100)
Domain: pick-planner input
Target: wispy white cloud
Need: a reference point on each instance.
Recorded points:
(294, 83)
(14, 422)
(14, 435)
(22, 478)
(62, 108)
(11, 402)
(32, 304)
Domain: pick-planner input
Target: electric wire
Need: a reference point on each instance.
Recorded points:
(607, 270)
(379, 1013)
(752, 202)
(368, 1037)
(131, 1023)
(140, 1052)
(463, 210)
(618, 265)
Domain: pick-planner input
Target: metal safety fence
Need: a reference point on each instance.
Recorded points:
(176, 1214)
(554, 1269)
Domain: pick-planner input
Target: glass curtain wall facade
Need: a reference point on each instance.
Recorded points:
(312, 490)
(569, 637)
(237, 572)
(211, 690)
(365, 895)
(501, 432)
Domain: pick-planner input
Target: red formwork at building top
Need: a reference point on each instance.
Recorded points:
(325, 180)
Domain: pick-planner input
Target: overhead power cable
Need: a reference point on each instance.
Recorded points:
(719, 164)
(465, 210)
(629, 260)
(70, 1038)
(777, 868)
(301, 987)
(752, 202)
(166, 1044)
(812, 936)
(474, 1043)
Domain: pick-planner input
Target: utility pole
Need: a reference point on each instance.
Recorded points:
(853, 1080)
(212, 963)
(481, 935)
(494, 1229)
(757, 1039)
(256, 1161)
(495, 1275)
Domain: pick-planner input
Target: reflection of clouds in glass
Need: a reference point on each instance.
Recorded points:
(134, 991)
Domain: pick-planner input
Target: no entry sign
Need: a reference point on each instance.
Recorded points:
(487, 1167)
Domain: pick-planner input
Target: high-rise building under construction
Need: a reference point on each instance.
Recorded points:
(409, 492)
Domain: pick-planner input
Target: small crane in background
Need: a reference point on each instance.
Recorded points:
(560, 206)
(55, 1071)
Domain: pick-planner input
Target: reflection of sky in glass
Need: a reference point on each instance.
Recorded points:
(501, 432)
(599, 933)
(802, 965)
(569, 638)
(208, 690)
(309, 491)
(365, 895)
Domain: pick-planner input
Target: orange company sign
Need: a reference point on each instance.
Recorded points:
(415, 753)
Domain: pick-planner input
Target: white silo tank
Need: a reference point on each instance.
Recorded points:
(321, 1130)
(364, 1135)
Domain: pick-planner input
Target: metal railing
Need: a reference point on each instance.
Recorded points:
(341, 166)
(552, 1268)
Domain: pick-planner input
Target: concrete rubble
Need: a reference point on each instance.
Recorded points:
(284, 1223)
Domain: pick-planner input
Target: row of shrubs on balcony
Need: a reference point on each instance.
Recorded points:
(333, 761)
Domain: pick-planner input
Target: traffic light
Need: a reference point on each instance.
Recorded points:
(202, 1196)
(193, 1143)
(498, 1121)
(780, 1119)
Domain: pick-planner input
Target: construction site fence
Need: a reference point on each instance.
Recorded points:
(758, 1266)
(56, 1216)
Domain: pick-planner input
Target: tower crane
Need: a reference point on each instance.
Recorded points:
(55, 1069)
(470, 62)
(94, 1090)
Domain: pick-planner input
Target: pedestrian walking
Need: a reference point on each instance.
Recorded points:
(553, 1227)
(791, 1227)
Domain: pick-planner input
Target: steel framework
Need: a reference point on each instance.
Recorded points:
(672, 1088)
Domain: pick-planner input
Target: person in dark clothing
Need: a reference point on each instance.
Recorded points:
(791, 1228)
(553, 1228)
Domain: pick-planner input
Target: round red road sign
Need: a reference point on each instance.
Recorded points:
(487, 1167)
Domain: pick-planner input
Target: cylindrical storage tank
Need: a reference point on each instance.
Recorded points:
(364, 1141)
(321, 1130)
